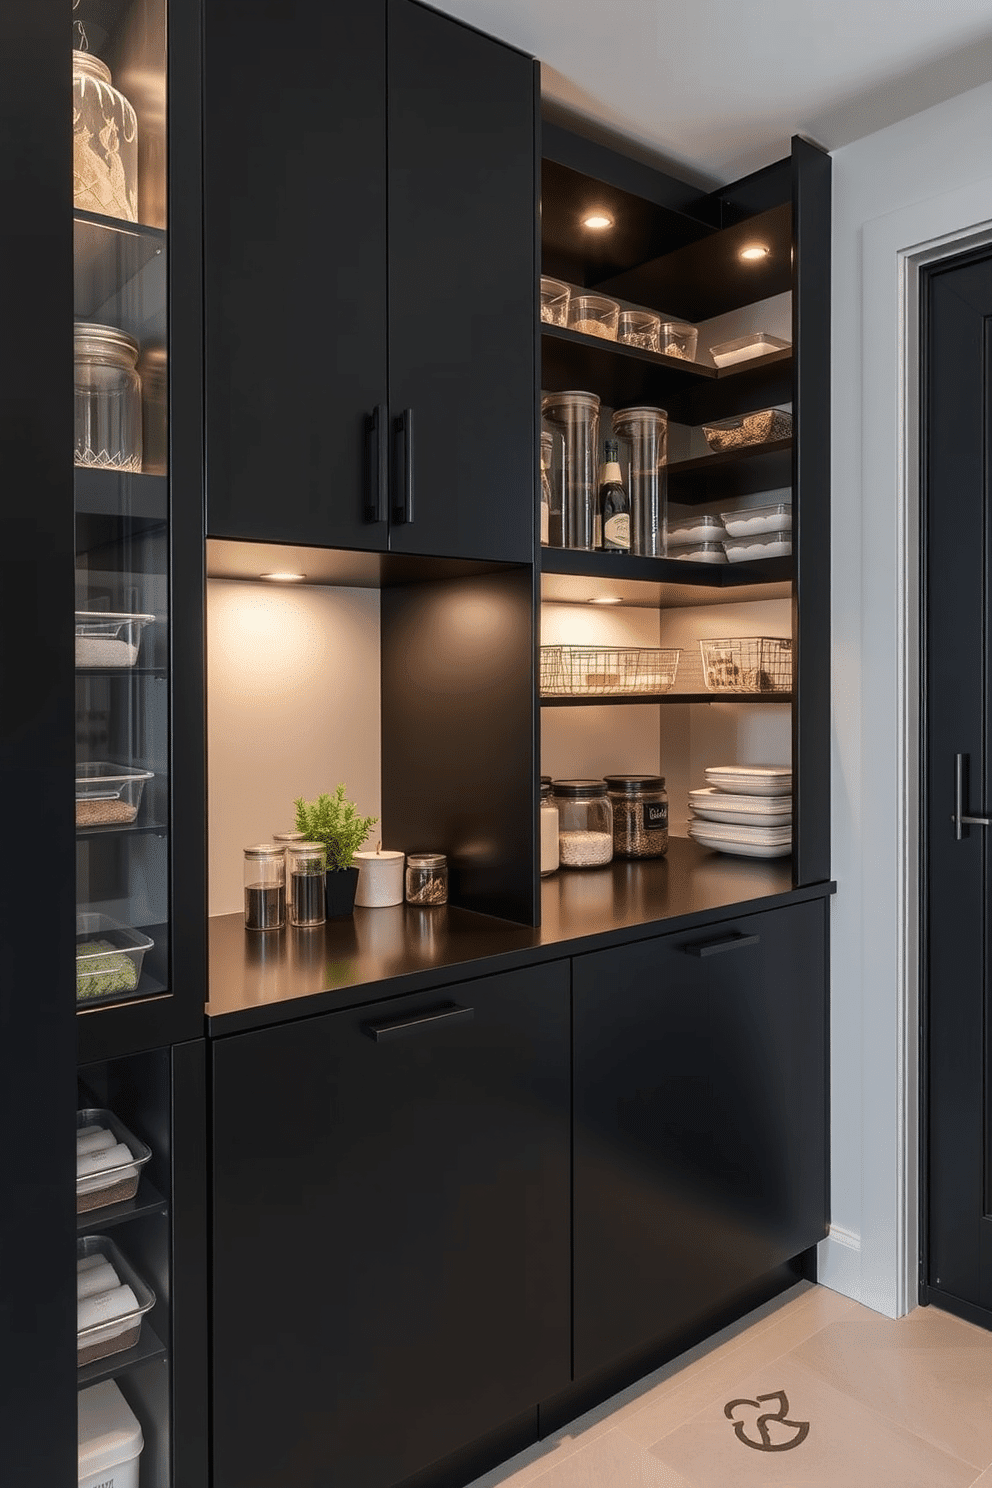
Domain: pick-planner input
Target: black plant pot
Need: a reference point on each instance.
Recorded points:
(340, 886)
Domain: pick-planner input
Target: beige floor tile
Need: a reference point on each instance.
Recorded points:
(847, 1446)
(930, 1373)
(611, 1461)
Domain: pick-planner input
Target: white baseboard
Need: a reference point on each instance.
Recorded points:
(838, 1262)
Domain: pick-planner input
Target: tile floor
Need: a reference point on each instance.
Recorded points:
(884, 1404)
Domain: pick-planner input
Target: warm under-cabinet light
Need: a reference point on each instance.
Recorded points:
(754, 251)
(284, 578)
(597, 220)
(606, 599)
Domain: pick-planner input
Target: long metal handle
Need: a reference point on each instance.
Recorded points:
(377, 429)
(959, 818)
(403, 506)
(717, 947)
(394, 1028)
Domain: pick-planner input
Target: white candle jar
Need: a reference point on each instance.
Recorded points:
(104, 142)
(380, 879)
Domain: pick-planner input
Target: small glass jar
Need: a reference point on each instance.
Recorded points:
(107, 398)
(639, 328)
(426, 878)
(306, 864)
(550, 856)
(555, 294)
(640, 815)
(594, 315)
(265, 887)
(104, 142)
(547, 454)
(585, 823)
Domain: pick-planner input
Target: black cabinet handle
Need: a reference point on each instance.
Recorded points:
(394, 1028)
(403, 505)
(377, 429)
(717, 947)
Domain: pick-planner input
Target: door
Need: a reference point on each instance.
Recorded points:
(956, 1267)
(700, 1125)
(391, 1231)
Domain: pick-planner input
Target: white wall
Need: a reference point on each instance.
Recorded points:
(922, 180)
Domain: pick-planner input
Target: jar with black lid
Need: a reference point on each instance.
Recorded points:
(585, 823)
(640, 815)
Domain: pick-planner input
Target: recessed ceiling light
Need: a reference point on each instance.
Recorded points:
(284, 578)
(606, 599)
(755, 251)
(597, 219)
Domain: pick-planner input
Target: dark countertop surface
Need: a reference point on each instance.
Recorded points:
(257, 978)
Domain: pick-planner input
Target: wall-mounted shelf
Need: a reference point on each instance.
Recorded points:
(146, 1201)
(115, 493)
(148, 1348)
(613, 700)
(569, 576)
(730, 473)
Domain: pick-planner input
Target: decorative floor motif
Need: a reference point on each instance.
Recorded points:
(810, 1391)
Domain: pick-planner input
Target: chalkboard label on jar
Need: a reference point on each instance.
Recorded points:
(656, 814)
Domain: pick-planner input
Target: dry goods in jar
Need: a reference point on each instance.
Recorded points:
(585, 849)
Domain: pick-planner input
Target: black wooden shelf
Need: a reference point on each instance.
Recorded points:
(613, 700)
(148, 1348)
(119, 275)
(83, 672)
(118, 493)
(730, 473)
(122, 829)
(146, 1201)
(680, 571)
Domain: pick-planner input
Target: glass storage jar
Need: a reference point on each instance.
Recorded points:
(104, 142)
(644, 432)
(306, 864)
(265, 887)
(426, 878)
(575, 416)
(550, 857)
(107, 398)
(640, 815)
(585, 823)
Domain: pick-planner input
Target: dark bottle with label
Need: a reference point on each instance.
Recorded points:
(613, 516)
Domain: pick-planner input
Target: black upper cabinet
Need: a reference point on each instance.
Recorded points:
(370, 366)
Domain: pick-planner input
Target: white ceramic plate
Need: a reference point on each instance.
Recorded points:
(746, 849)
(740, 818)
(751, 780)
(766, 810)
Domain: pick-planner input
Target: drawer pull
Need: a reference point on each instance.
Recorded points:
(377, 427)
(403, 506)
(394, 1028)
(717, 947)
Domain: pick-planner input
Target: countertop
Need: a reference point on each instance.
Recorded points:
(257, 978)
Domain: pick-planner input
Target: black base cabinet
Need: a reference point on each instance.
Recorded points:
(391, 1231)
(700, 1124)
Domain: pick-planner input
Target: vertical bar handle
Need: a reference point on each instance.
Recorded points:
(403, 506)
(377, 431)
(959, 818)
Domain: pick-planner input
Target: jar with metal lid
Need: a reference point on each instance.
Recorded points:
(640, 815)
(575, 416)
(104, 142)
(306, 864)
(265, 887)
(550, 857)
(426, 878)
(585, 823)
(107, 398)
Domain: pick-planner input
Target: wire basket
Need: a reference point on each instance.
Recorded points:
(607, 671)
(747, 664)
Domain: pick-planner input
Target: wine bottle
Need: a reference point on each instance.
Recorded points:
(614, 506)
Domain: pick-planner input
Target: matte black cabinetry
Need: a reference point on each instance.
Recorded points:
(370, 314)
(391, 1212)
(700, 1124)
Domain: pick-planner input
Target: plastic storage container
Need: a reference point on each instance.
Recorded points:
(747, 664)
(550, 857)
(607, 671)
(108, 794)
(594, 315)
(107, 398)
(678, 340)
(110, 1439)
(555, 295)
(108, 958)
(706, 552)
(639, 328)
(265, 886)
(747, 549)
(104, 1173)
(640, 815)
(644, 433)
(107, 639)
(104, 142)
(701, 529)
(108, 1320)
(755, 520)
(585, 823)
(426, 878)
(574, 417)
(748, 428)
(744, 348)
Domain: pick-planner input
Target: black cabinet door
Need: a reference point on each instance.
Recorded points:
(462, 290)
(700, 1157)
(295, 269)
(391, 1245)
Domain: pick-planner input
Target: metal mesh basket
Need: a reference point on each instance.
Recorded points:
(607, 671)
(747, 664)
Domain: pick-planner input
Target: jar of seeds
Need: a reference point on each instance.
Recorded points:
(426, 878)
(640, 815)
(585, 823)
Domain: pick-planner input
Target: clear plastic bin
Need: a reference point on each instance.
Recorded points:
(701, 529)
(750, 549)
(108, 958)
(607, 671)
(678, 340)
(759, 519)
(747, 664)
(555, 295)
(108, 794)
(748, 428)
(108, 639)
(744, 348)
(113, 1181)
(594, 315)
(639, 328)
(704, 552)
(116, 1333)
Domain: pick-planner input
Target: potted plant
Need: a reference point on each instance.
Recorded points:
(334, 821)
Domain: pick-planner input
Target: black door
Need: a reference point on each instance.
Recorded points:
(391, 1232)
(295, 270)
(700, 1125)
(957, 910)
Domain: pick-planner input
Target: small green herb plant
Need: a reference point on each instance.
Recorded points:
(333, 821)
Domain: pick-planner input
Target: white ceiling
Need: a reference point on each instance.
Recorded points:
(717, 88)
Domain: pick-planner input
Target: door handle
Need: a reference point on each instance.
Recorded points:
(717, 947)
(959, 818)
(394, 1028)
(403, 506)
(377, 431)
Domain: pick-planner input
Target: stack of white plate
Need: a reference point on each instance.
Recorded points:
(745, 810)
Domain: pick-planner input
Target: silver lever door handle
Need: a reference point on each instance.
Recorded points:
(959, 819)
